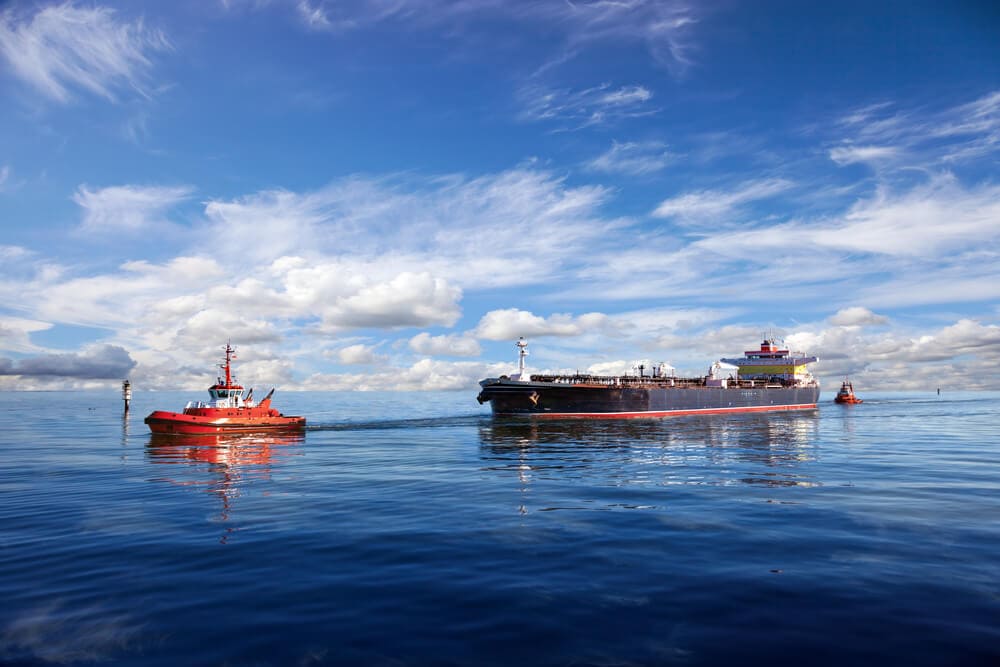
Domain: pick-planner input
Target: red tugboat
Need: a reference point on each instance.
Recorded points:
(846, 394)
(229, 411)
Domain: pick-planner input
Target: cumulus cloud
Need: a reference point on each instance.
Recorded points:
(359, 355)
(511, 323)
(66, 48)
(857, 316)
(445, 346)
(93, 363)
(15, 332)
(408, 300)
(396, 252)
(633, 158)
(616, 367)
(963, 355)
(127, 208)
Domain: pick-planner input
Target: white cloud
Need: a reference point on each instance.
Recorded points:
(400, 252)
(15, 333)
(445, 346)
(946, 136)
(511, 323)
(708, 204)
(930, 221)
(515, 227)
(314, 16)
(584, 108)
(423, 375)
(662, 26)
(857, 316)
(963, 355)
(359, 355)
(65, 48)
(127, 208)
(408, 300)
(636, 159)
(851, 154)
(4, 175)
(979, 117)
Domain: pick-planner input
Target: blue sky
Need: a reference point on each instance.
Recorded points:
(385, 194)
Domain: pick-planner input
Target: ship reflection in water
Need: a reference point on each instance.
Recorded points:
(224, 466)
(774, 450)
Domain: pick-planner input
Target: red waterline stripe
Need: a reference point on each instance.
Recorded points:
(657, 413)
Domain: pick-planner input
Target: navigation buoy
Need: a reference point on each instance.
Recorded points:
(127, 393)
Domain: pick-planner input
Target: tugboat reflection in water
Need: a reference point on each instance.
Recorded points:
(222, 465)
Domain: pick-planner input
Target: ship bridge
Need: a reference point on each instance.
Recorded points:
(771, 362)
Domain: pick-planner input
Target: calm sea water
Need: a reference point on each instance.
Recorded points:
(414, 529)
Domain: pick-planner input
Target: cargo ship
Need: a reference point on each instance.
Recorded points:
(768, 379)
(230, 410)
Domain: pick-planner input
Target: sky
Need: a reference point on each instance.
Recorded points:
(386, 194)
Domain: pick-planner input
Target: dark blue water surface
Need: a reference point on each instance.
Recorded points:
(414, 529)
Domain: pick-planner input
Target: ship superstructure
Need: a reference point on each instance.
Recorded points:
(772, 364)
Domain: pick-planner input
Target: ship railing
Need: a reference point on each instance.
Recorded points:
(195, 404)
(619, 380)
(667, 382)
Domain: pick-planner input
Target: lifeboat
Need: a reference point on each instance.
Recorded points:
(846, 394)
(230, 410)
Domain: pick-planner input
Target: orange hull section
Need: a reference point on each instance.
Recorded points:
(850, 400)
(211, 421)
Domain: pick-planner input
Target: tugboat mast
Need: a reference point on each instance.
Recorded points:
(229, 354)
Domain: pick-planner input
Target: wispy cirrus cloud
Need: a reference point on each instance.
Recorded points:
(717, 204)
(513, 227)
(127, 208)
(849, 154)
(663, 27)
(632, 158)
(64, 49)
(880, 132)
(578, 109)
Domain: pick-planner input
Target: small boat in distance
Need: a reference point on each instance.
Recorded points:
(229, 411)
(846, 394)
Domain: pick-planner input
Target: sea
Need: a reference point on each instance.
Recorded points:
(416, 529)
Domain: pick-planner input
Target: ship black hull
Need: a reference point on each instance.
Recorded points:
(557, 400)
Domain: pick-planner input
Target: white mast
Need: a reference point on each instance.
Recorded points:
(522, 352)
